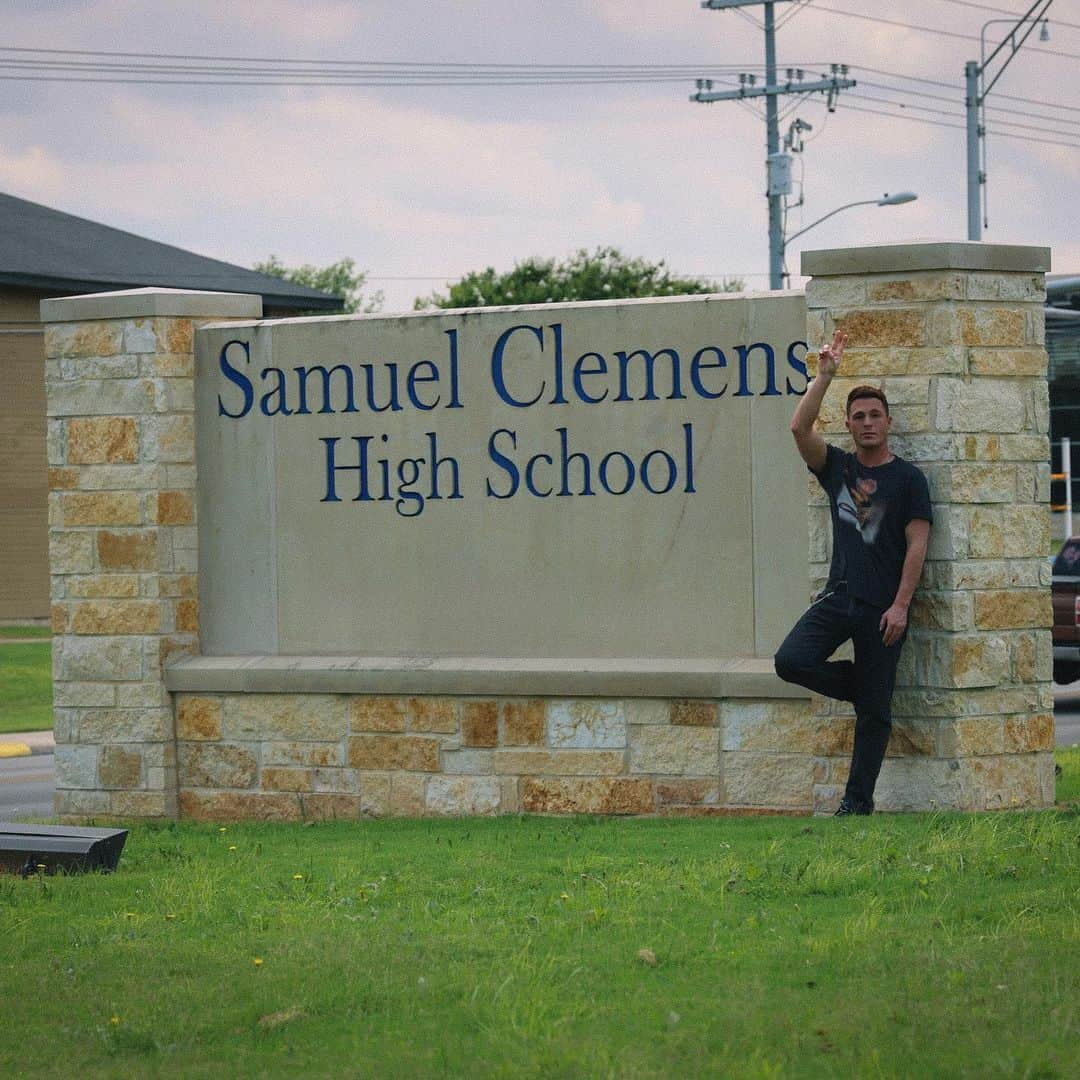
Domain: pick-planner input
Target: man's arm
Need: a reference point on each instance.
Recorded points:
(894, 621)
(811, 445)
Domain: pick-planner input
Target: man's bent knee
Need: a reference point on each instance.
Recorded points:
(786, 666)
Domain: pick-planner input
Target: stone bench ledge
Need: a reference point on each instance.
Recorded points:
(734, 677)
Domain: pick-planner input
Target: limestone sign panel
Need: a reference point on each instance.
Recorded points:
(607, 479)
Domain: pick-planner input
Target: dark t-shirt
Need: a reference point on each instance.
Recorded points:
(870, 509)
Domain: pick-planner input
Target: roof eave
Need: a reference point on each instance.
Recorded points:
(75, 286)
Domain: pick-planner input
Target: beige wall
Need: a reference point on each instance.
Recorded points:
(24, 551)
(697, 571)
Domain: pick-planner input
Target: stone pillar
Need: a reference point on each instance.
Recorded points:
(119, 375)
(954, 335)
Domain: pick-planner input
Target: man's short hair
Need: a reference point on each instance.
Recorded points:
(866, 392)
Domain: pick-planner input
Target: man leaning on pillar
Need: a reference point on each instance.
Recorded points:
(881, 515)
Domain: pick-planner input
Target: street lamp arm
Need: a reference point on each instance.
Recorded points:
(846, 206)
(1009, 39)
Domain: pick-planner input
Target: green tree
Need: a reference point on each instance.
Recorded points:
(339, 279)
(603, 274)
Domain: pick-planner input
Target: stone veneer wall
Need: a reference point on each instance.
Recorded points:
(119, 374)
(291, 756)
(953, 332)
(955, 336)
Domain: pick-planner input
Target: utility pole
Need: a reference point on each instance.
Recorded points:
(976, 89)
(778, 165)
(778, 186)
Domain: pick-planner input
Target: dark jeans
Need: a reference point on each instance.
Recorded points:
(867, 682)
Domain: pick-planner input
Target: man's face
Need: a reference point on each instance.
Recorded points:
(868, 423)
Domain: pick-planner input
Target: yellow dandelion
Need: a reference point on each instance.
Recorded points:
(298, 877)
(232, 847)
(114, 1020)
(129, 914)
(257, 961)
(170, 916)
(564, 896)
(221, 828)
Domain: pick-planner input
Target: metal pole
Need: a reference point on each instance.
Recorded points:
(971, 76)
(1066, 468)
(776, 233)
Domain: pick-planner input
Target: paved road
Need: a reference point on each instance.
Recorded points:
(26, 787)
(1067, 714)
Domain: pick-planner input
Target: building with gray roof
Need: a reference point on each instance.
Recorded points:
(47, 253)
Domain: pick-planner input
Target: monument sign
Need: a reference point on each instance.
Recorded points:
(579, 480)
(534, 559)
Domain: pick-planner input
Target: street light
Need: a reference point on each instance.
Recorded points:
(885, 200)
(978, 86)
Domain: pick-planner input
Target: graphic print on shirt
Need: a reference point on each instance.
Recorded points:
(856, 507)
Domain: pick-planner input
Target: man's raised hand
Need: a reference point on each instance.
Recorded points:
(830, 355)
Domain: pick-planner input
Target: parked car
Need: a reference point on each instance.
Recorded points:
(1066, 589)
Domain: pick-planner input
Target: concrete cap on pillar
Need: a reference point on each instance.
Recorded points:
(146, 303)
(926, 255)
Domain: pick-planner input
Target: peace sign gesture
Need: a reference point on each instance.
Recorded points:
(829, 355)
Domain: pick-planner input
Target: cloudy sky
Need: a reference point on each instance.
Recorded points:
(421, 183)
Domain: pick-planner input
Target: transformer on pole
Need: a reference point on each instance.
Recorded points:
(778, 164)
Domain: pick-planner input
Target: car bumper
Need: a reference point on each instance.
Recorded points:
(1067, 653)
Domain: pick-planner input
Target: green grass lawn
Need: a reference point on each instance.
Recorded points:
(895, 946)
(26, 687)
(1068, 781)
(25, 632)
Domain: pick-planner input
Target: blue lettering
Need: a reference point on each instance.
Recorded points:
(744, 352)
(332, 468)
(406, 492)
(276, 392)
(504, 463)
(529, 475)
(650, 364)
(604, 461)
(415, 377)
(497, 369)
(392, 403)
(566, 458)
(559, 398)
(688, 437)
(236, 377)
(455, 403)
(302, 374)
(673, 472)
(797, 364)
(436, 464)
(580, 372)
(695, 371)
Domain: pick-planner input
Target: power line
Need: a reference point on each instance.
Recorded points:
(436, 64)
(959, 116)
(334, 71)
(934, 30)
(33, 65)
(959, 88)
(953, 100)
(797, 8)
(959, 127)
(403, 73)
(342, 82)
(1006, 11)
